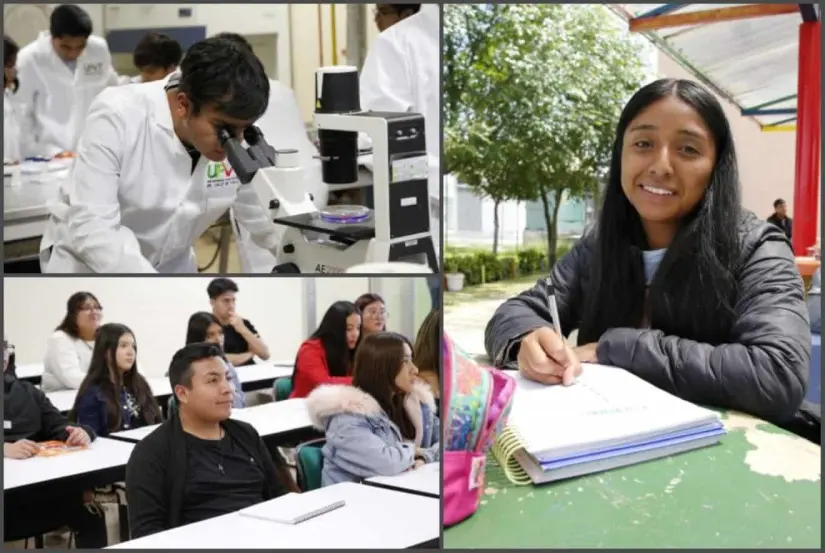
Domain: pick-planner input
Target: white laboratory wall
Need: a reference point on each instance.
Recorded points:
(407, 301)
(156, 309)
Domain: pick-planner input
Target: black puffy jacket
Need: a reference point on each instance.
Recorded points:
(760, 367)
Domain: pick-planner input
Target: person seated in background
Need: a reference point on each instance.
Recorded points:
(373, 313)
(114, 396)
(11, 122)
(199, 463)
(815, 302)
(156, 56)
(61, 72)
(29, 417)
(241, 341)
(780, 218)
(326, 357)
(205, 327)
(382, 425)
(427, 352)
(387, 15)
(676, 284)
(69, 348)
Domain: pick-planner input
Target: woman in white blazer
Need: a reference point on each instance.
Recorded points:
(69, 348)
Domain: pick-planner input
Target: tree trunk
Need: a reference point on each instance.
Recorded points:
(496, 203)
(550, 219)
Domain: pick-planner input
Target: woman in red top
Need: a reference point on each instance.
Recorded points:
(326, 358)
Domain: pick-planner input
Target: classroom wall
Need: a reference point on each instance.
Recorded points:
(157, 309)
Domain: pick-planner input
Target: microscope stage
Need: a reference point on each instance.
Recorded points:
(348, 233)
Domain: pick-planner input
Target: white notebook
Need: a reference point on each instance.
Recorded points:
(608, 415)
(293, 508)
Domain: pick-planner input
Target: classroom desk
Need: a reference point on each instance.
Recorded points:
(103, 463)
(815, 378)
(424, 481)
(373, 518)
(33, 373)
(759, 488)
(262, 374)
(272, 421)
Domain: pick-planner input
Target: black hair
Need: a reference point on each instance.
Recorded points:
(694, 282)
(332, 332)
(70, 20)
(237, 38)
(10, 50)
(222, 73)
(157, 50)
(180, 369)
(198, 324)
(778, 202)
(401, 8)
(73, 305)
(103, 373)
(220, 286)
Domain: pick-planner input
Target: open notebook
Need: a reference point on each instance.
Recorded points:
(608, 419)
(293, 508)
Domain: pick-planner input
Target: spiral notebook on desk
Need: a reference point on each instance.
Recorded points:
(610, 418)
(293, 508)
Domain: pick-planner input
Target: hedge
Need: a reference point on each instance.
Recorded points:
(481, 266)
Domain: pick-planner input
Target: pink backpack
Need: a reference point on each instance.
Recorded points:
(477, 404)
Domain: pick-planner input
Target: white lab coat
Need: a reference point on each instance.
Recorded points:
(53, 100)
(132, 203)
(283, 128)
(11, 130)
(402, 73)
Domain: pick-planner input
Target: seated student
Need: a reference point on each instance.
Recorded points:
(69, 349)
(199, 463)
(241, 341)
(29, 417)
(205, 327)
(677, 283)
(373, 313)
(114, 396)
(814, 302)
(427, 352)
(156, 56)
(382, 425)
(326, 358)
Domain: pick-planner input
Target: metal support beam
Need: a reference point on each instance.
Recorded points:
(778, 111)
(808, 137)
(773, 102)
(663, 9)
(779, 128)
(780, 123)
(710, 16)
(809, 12)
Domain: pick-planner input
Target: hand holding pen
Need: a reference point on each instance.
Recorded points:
(544, 355)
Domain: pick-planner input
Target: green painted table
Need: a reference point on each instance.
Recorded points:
(759, 488)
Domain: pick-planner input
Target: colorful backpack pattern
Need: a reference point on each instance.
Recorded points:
(478, 401)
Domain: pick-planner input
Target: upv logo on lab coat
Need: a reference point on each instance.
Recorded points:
(219, 174)
(93, 68)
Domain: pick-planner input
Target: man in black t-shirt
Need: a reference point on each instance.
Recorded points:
(240, 339)
(199, 463)
(780, 218)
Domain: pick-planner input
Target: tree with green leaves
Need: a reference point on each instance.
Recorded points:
(532, 93)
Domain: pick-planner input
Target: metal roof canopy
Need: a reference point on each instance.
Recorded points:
(752, 62)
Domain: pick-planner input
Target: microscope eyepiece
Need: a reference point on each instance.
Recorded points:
(224, 135)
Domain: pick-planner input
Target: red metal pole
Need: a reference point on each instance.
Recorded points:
(808, 130)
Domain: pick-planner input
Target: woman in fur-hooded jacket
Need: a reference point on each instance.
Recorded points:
(382, 425)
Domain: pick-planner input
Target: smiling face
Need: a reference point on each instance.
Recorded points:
(668, 155)
(209, 399)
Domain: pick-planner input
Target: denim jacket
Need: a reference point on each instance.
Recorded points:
(361, 440)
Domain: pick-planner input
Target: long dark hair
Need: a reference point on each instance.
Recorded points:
(73, 305)
(104, 373)
(332, 332)
(427, 350)
(10, 50)
(198, 326)
(377, 363)
(693, 291)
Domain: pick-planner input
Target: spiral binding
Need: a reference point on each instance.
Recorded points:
(321, 511)
(504, 450)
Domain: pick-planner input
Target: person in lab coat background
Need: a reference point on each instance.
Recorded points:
(156, 56)
(151, 175)
(60, 73)
(402, 73)
(283, 128)
(11, 125)
(387, 15)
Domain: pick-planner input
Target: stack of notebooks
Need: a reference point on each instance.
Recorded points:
(608, 419)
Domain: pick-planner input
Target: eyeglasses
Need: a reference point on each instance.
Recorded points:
(376, 313)
(91, 308)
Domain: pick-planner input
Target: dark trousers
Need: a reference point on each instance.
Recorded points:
(33, 516)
